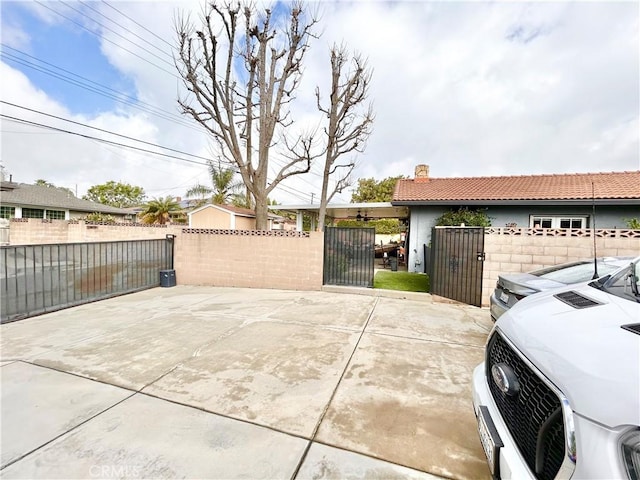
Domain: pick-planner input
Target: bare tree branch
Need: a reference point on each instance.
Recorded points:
(348, 126)
(243, 104)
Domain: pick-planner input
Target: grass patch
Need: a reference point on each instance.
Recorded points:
(405, 281)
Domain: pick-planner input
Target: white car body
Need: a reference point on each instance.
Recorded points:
(576, 352)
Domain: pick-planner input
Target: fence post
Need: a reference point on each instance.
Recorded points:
(170, 242)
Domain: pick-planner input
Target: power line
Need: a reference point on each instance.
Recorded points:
(106, 39)
(110, 142)
(99, 89)
(87, 5)
(290, 191)
(103, 130)
(138, 24)
(109, 29)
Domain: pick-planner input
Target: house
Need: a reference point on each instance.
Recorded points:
(530, 201)
(21, 200)
(225, 217)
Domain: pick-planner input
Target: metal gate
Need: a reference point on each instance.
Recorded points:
(349, 256)
(43, 278)
(457, 255)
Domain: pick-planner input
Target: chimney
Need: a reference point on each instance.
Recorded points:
(422, 172)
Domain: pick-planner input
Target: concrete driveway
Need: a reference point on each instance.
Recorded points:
(202, 382)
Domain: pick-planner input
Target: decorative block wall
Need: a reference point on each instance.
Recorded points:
(516, 250)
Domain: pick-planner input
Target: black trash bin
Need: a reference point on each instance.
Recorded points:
(393, 261)
(167, 278)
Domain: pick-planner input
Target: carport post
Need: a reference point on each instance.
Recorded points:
(299, 221)
(170, 238)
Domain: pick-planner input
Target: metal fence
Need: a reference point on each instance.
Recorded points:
(457, 256)
(349, 256)
(43, 278)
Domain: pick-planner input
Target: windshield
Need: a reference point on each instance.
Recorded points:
(625, 283)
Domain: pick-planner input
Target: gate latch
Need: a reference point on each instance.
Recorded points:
(481, 256)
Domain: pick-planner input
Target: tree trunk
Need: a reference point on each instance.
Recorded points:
(262, 213)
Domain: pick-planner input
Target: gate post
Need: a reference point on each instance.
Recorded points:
(170, 239)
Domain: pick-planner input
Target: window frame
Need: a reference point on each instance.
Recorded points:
(55, 214)
(555, 221)
(32, 210)
(10, 210)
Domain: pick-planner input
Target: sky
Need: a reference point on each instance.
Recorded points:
(468, 88)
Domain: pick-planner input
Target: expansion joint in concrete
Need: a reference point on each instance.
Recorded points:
(333, 394)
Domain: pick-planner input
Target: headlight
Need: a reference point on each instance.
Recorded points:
(631, 454)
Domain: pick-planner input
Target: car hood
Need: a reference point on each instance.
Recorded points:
(584, 352)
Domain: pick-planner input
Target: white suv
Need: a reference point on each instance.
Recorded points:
(558, 395)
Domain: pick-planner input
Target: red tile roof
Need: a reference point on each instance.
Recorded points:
(237, 210)
(578, 186)
(243, 211)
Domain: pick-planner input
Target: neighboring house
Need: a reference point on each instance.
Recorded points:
(279, 222)
(529, 201)
(21, 200)
(227, 217)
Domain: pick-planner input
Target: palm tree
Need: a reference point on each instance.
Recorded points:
(159, 210)
(225, 186)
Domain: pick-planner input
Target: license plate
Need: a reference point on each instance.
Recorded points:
(504, 297)
(489, 439)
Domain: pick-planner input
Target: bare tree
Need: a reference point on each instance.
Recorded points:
(349, 124)
(243, 70)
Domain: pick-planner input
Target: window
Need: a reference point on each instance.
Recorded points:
(557, 221)
(55, 214)
(7, 212)
(32, 213)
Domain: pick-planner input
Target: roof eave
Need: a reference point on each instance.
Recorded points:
(103, 209)
(570, 202)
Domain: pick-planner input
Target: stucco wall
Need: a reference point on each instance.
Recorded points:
(423, 219)
(515, 250)
(245, 223)
(257, 259)
(210, 218)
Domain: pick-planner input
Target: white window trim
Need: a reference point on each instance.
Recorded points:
(556, 219)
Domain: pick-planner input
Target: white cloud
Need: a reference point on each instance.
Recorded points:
(502, 88)
(16, 37)
(30, 153)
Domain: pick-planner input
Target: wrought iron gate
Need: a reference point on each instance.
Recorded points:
(42, 278)
(457, 255)
(348, 256)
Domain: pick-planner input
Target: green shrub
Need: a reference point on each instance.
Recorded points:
(470, 218)
(633, 223)
(99, 217)
(389, 226)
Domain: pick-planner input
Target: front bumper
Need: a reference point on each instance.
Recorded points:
(598, 447)
(510, 464)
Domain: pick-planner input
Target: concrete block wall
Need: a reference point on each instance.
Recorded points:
(293, 260)
(251, 259)
(36, 231)
(230, 258)
(512, 251)
(30, 231)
